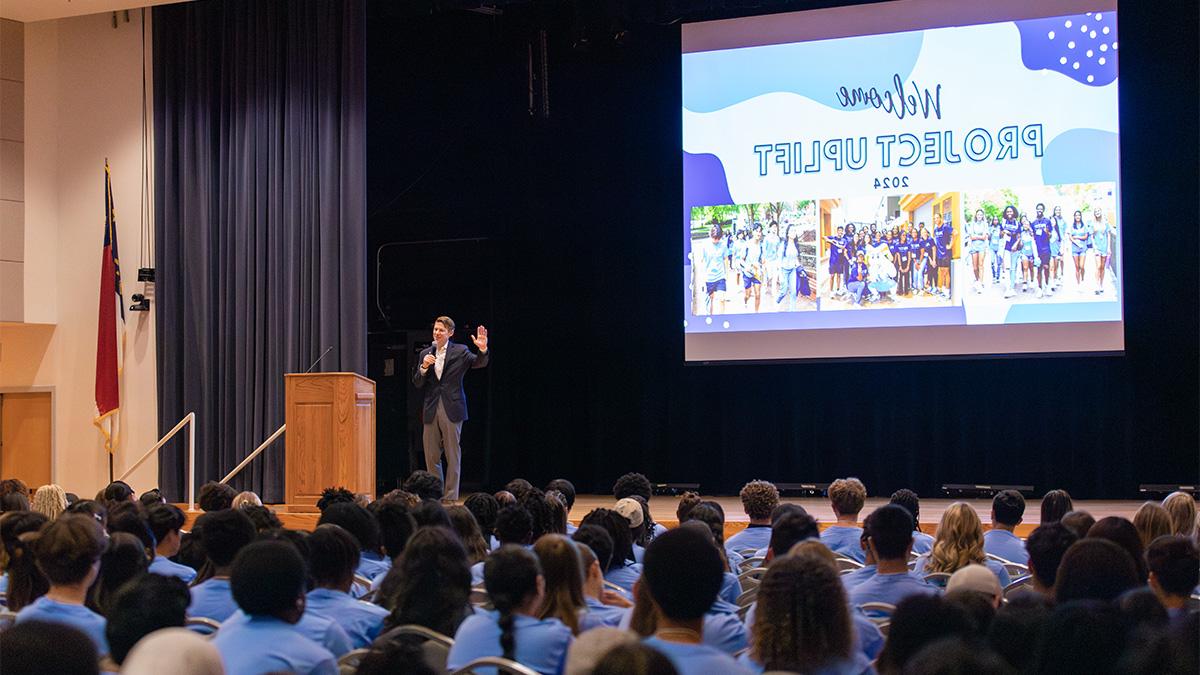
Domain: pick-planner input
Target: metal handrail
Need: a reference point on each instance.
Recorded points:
(190, 420)
(257, 451)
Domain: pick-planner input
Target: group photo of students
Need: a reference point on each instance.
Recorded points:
(1052, 243)
(753, 258)
(885, 252)
(411, 582)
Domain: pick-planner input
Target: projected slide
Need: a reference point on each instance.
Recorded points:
(889, 180)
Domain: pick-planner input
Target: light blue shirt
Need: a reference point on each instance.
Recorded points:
(477, 574)
(600, 614)
(712, 259)
(693, 659)
(753, 537)
(995, 567)
(852, 579)
(922, 543)
(4, 583)
(723, 629)
(1005, 544)
(362, 621)
(624, 576)
(164, 567)
(265, 644)
(659, 530)
(371, 565)
(844, 540)
(856, 664)
(889, 588)
(212, 599)
(75, 616)
(571, 529)
(319, 629)
(638, 553)
(541, 644)
(731, 588)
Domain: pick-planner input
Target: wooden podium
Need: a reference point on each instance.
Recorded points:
(330, 439)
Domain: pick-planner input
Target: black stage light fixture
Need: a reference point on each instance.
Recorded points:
(977, 490)
(804, 489)
(140, 303)
(674, 489)
(1154, 489)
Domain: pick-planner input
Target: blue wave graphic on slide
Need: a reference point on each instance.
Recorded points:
(719, 79)
(1080, 156)
(1064, 313)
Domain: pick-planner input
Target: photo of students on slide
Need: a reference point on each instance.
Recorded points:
(753, 258)
(887, 252)
(1021, 248)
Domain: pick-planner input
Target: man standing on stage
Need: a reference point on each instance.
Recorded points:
(445, 407)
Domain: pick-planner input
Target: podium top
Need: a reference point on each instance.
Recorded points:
(364, 378)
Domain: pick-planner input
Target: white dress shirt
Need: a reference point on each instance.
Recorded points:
(440, 363)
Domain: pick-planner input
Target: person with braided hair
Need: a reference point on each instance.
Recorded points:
(515, 585)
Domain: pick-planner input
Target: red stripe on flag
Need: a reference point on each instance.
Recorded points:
(108, 396)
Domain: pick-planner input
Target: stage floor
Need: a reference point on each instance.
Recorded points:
(662, 509)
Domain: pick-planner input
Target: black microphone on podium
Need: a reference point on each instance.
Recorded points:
(323, 354)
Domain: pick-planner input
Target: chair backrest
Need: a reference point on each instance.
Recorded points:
(616, 587)
(747, 597)
(843, 563)
(747, 552)
(418, 631)
(501, 665)
(752, 576)
(751, 564)
(883, 627)
(743, 611)
(361, 586)
(479, 597)
(939, 579)
(203, 625)
(7, 619)
(878, 612)
(1017, 584)
(370, 595)
(348, 662)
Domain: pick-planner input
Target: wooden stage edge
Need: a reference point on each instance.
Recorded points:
(662, 509)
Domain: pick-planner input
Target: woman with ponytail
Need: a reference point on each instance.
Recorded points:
(23, 583)
(515, 585)
(562, 569)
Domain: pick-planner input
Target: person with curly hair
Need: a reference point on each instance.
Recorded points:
(846, 496)
(334, 495)
(687, 501)
(806, 624)
(362, 525)
(759, 499)
(637, 485)
(912, 502)
(958, 543)
(424, 484)
(484, 507)
(567, 489)
(216, 496)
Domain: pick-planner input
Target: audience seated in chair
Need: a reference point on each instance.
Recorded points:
(22, 581)
(485, 507)
(1094, 569)
(621, 570)
(1182, 508)
(142, 606)
(682, 577)
(268, 581)
(123, 560)
(166, 521)
(920, 620)
(215, 496)
(430, 583)
(912, 503)
(223, 533)
(562, 571)
(958, 543)
(887, 540)
(363, 527)
(604, 607)
(1008, 508)
(67, 552)
(1121, 532)
(1152, 521)
(1055, 505)
(512, 630)
(759, 499)
(1046, 546)
(846, 496)
(333, 556)
(514, 525)
(1174, 565)
(637, 485)
(41, 648)
(803, 622)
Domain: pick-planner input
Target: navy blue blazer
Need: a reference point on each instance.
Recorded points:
(448, 389)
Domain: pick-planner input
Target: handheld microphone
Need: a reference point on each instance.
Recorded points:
(314, 363)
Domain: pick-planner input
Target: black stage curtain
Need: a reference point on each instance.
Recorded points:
(260, 119)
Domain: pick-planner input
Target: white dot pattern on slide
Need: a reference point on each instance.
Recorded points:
(1114, 44)
(1075, 65)
(1091, 78)
(1067, 23)
(708, 320)
(1083, 28)
(1071, 44)
(1062, 60)
(1101, 60)
(1103, 47)
(725, 324)
(1104, 30)
(1050, 35)
(1090, 53)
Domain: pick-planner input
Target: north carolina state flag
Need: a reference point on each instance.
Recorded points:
(110, 337)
